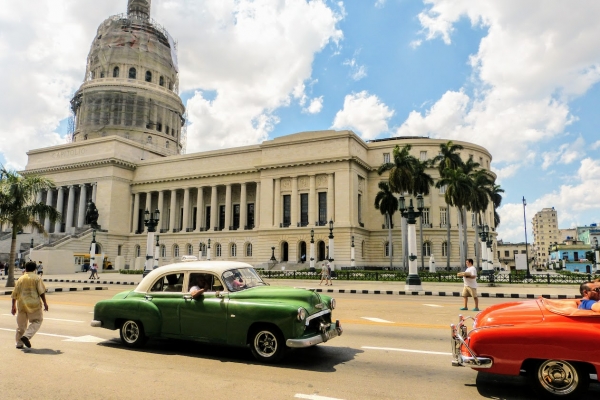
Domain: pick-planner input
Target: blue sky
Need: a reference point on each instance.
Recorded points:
(519, 78)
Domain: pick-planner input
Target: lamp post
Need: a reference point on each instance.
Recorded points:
(526, 246)
(30, 248)
(208, 251)
(596, 249)
(483, 234)
(331, 257)
(93, 249)
(352, 261)
(312, 250)
(156, 252)
(413, 282)
(150, 221)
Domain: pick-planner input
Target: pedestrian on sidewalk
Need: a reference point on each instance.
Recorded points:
(40, 269)
(94, 271)
(325, 271)
(470, 281)
(26, 304)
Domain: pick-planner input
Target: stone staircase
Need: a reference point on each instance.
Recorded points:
(40, 241)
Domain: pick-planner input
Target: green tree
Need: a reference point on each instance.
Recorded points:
(496, 197)
(387, 204)
(19, 208)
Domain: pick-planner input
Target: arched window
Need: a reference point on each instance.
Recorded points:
(163, 251)
(218, 250)
(159, 127)
(161, 81)
(175, 250)
(202, 248)
(444, 249)
(426, 249)
(137, 251)
(249, 250)
(387, 249)
(115, 72)
(190, 250)
(233, 250)
(148, 76)
(149, 140)
(132, 73)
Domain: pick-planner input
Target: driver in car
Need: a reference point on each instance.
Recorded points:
(590, 293)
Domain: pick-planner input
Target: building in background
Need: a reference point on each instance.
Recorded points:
(545, 233)
(506, 253)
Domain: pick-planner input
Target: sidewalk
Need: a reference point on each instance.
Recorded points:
(356, 287)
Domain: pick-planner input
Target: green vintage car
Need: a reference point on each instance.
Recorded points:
(219, 302)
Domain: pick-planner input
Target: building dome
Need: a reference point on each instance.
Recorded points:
(131, 84)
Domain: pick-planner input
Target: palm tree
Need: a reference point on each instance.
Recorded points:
(387, 204)
(19, 208)
(422, 183)
(482, 182)
(496, 198)
(448, 159)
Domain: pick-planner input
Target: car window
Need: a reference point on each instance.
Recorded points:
(241, 278)
(168, 283)
(200, 281)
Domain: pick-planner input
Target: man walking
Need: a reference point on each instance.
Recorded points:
(470, 280)
(29, 289)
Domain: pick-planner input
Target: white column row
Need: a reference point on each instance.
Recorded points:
(74, 214)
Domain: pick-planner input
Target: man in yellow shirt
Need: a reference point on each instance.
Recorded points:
(29, 289)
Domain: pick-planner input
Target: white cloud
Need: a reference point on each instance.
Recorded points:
(380, 3)
(566, 154)
(595, 145)
(366, 114)
(357, 72)
(315, 106)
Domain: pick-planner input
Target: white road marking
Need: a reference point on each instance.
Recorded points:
(82, 339)
(52, 319)
(432, 305)
(407, 350)
(44, 334)
(383, 321)
(313, 397)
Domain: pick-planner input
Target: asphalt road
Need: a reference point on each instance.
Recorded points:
(393, 347)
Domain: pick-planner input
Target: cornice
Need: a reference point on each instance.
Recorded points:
(355, 159)
(192, 177)
(81, 165)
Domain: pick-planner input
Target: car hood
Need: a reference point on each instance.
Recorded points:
(514, 313)
(282, 294)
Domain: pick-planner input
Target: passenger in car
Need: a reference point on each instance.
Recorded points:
(590, 292)
(199, 285)
(172, 284)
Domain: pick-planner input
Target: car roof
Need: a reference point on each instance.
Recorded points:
(216, 267)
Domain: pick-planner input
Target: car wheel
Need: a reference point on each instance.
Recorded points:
(132, 334)
(558, 379)
(267, 345)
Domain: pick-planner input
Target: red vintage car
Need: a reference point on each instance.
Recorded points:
(553, 343)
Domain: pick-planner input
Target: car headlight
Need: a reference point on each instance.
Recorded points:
(332, 304)
(301, 314)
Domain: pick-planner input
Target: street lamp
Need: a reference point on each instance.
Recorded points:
(352, 261)
(312, 250)
(331, 257)
(150, 221)
(30, 248)
(208, 251)
(526, 246)
(413, 282)
(483, 235)
(596, 254)
(156, 252)
(93, 249)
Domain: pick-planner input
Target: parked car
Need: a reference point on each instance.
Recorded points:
(237, 309)
(553, 343)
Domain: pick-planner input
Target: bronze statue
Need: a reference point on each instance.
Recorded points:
(91, 215)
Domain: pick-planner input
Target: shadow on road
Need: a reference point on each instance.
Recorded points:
(321, 358)
(504, 387)
(45, 352)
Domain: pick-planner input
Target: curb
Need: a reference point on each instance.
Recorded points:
(96, 281)
(449, 294)
(58, 290)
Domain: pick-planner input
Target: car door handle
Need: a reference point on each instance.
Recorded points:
(148, 297)
(187, 297)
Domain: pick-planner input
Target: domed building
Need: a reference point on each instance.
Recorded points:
(252, 204)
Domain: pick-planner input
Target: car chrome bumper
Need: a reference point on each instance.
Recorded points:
(96, 324)
(330, 331)
(458, 336)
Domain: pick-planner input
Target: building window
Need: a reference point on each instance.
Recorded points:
(250, 215)
(207, 218)
(443, 189)
(287, 213)
(322, 208)
(202, 249)
(132, 73)
(425, 216)
(119, 249)
(163, 251)
(249, 250)
(161, 81)
(236, 216)
(444, 249)
(218, 250)
(362, 249)
(102, 74)
(423, 156)
(506, 253)
(176, 250)
(233, 250)
(190, 250)
(387, 249)
(159, 127)
(115, 72)
(148, 76)
(359, 207)
(137, 251)
(386, 158)
(304, 209)
(427, 249)
(443, 216)
(221, 217)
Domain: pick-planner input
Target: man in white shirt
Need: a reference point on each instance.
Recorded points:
(470, 280)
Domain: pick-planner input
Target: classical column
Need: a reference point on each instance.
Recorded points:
(294, 205)
(161, 208)
(227, 206)
(312, 201)
(59, 207)
(94, 191)
(257, 205)
(277, 203)
(330, 198)
(136, 212)
(213, 208)
(82, 206)
(148, 207)
(186, 209)
(172, 210)
(243, 206)
(199, 209)
(70, 207)
(49, 198)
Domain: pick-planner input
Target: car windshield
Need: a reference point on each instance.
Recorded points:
(242, 278)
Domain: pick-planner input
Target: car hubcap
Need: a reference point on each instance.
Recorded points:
(558, 377)
(265, 344)
(131, 332)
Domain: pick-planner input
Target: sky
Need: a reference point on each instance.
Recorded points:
(517, 77)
